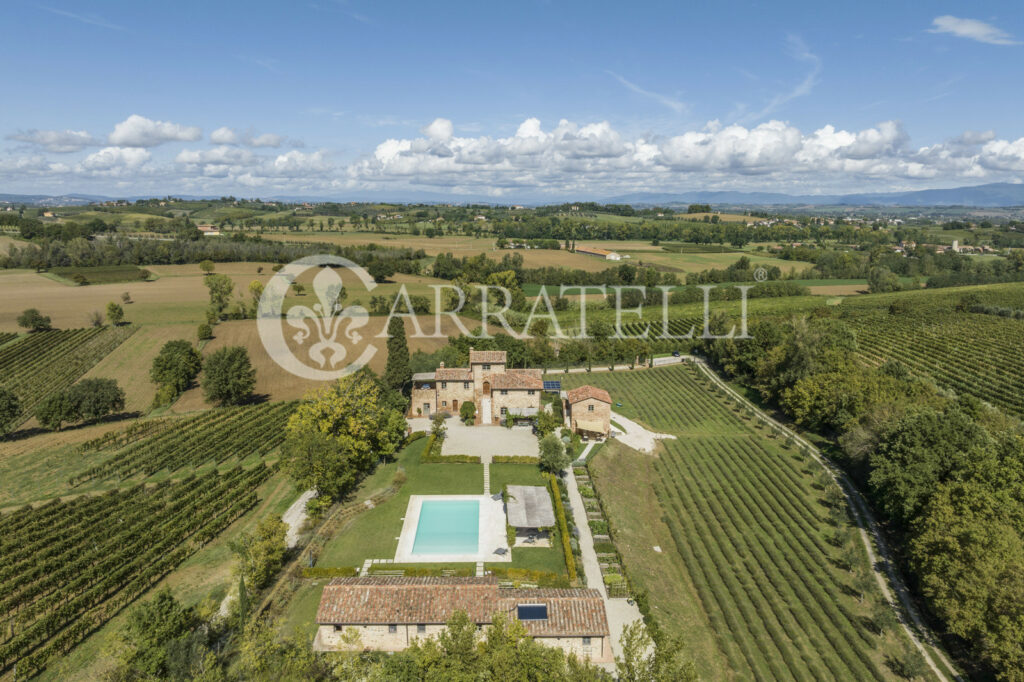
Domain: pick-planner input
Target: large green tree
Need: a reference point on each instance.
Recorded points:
(397, 372)
(552, 454)
(261, 553)
(337, 435)
(220, 287)
(228, 376)
(10, 410)
(33, 320)
(176, 365)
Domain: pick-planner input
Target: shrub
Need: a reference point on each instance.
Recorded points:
(467, 412)
(563, 528)
(204, 332)
(513, 459)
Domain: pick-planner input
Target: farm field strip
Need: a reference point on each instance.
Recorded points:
(216, 435)
(96, 554)
(749, 527)
(46, 362)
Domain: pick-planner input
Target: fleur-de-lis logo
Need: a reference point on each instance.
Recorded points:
(321, 329)
(326, 318)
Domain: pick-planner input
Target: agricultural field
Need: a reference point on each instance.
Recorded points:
(750, 572)
(103, 274)
(275, 383)
(231, 433)
(970, 353)
(80, 562)
(45, 362)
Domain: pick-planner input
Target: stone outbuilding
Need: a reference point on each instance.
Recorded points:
(588, 411)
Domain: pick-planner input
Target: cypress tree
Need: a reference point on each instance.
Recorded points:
(397, 371)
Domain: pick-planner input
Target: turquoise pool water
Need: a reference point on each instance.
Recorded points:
(448, 527)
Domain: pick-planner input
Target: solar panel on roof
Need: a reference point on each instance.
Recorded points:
(552, 385)
(532, 611)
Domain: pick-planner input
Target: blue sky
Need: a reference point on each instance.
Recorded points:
(518, 101)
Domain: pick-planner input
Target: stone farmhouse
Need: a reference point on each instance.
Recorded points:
(390, 612)
(488, 383)
(588, 411)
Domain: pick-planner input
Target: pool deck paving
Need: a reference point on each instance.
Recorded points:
(491, 534)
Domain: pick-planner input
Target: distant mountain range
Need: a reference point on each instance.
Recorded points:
(993, 195)
(999, 194)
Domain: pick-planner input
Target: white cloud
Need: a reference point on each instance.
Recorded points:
(972, 29)
(139, 131)
(440, 129)
(58, 141)
(584, 159)
(115, 158)
(226, 135)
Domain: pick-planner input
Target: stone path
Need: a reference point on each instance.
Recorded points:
(487, 478)
(295, 516)
(636, 436)
(619, 612)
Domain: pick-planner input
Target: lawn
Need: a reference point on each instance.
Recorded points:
(374, 533)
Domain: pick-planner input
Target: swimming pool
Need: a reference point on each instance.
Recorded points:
(448, 527)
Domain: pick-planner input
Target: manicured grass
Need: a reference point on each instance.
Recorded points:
(374, 533)
(746, 571)
(515, 474)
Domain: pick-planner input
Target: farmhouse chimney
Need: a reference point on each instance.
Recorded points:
(442, 365)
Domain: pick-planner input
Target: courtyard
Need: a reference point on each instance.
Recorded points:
(482, 441)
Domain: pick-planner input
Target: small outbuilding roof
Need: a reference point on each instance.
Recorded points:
(423, 376)
(585, 392)
(529, 506)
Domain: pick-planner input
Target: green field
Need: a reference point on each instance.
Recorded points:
(748, 575)
(103, 274)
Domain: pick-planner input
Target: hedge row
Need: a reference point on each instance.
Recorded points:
(432, 454)
(563, 528)
(514, 459)
(329, 572)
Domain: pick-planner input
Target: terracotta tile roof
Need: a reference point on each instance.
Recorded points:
(584, 392)
(517, 379)
(453, 374)
(571, 612)
(497, 357)
(384, 600)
